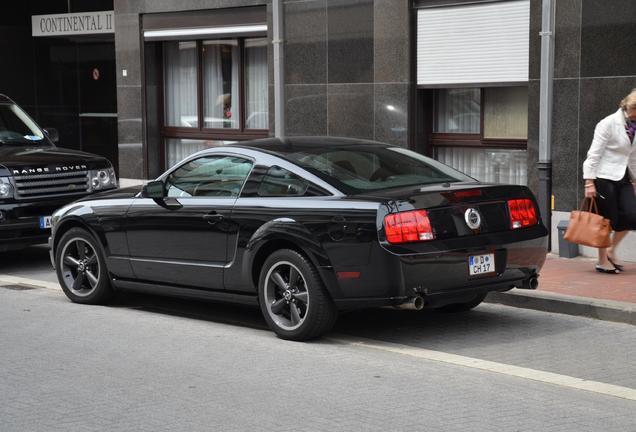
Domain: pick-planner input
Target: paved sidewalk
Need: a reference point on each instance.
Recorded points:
(574, 287)
(578, 277)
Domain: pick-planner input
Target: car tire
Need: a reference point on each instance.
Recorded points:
(292, 297)
(81, 268)
(462, 307)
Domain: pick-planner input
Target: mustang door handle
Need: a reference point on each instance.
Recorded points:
(213, 218)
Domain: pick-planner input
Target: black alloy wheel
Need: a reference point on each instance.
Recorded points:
(81, 268)
(292, 297)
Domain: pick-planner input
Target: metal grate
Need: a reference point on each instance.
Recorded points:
(40, 185)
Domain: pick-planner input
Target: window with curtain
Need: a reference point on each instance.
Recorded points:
(482, 131)
(487, 165)
(458, 111)
(506, 113)
(215, 91)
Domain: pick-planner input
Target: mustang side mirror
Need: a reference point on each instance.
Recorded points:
(154, 189)
(53, 134)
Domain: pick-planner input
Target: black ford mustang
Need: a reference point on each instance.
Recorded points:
(304, 227)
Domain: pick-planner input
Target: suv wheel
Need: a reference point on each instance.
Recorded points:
(292, 297)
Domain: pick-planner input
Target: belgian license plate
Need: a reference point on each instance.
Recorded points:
(45, 222)
(481, 264)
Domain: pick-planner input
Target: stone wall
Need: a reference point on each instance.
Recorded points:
(347, 68)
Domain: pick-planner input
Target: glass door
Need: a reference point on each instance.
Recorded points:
(98, 98)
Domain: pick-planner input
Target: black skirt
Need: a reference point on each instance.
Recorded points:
(617, 202)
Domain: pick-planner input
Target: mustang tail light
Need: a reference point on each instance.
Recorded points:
(410, 226)
(522, 213)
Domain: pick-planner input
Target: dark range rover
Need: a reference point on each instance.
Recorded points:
(36, 177)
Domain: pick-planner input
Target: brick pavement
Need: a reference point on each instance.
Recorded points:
(578, 277)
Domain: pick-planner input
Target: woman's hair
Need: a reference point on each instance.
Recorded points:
(629, 101)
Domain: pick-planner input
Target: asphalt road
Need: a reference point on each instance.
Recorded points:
(150, 363)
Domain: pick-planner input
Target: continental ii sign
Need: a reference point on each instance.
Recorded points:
(81, 23)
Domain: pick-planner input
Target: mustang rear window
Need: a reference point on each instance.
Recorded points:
(359, 169)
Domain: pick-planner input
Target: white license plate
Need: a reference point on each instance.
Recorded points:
(45, 222)
(481, 264)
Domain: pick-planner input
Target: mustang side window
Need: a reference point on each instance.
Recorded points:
(216, 176)
(279, 182)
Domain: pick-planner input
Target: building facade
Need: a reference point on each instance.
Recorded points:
(457, 80)
(591, 76)
(62, 71)
(345, 62)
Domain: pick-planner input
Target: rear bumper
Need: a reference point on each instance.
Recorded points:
(443, 277)
(449, 272)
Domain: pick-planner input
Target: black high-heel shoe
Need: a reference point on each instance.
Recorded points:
(604, 270)
(618, 267)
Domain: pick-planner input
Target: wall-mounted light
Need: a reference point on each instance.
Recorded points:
(154, 34)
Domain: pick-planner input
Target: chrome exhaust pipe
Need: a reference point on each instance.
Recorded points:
(531, 283)
(413, 303)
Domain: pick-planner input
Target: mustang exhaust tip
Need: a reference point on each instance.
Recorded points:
(413, 303)
(531, 283)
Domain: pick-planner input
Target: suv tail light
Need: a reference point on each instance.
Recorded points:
(522, 213)
(410, 226)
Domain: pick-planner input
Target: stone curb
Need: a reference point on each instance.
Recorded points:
(606, 310)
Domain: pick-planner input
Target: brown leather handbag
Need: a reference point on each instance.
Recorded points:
(588, 228)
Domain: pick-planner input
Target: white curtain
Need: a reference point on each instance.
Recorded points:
(213, 85)
(256, 84)
(235, 103)
(506, 112)
(487, 165)
(180, 84)
(458, 111)
(221, 106)
(179, 149)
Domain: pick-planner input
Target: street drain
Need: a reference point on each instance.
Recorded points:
(18, 287)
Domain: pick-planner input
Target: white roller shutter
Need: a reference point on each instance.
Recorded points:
(473, 44)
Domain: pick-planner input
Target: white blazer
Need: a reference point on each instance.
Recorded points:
(611, 152)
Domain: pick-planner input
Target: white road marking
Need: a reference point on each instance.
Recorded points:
(8, 279)
(501, 368)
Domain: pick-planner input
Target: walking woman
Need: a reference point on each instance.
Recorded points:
(610, 173)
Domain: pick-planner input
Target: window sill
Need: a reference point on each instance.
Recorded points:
(474, 140)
